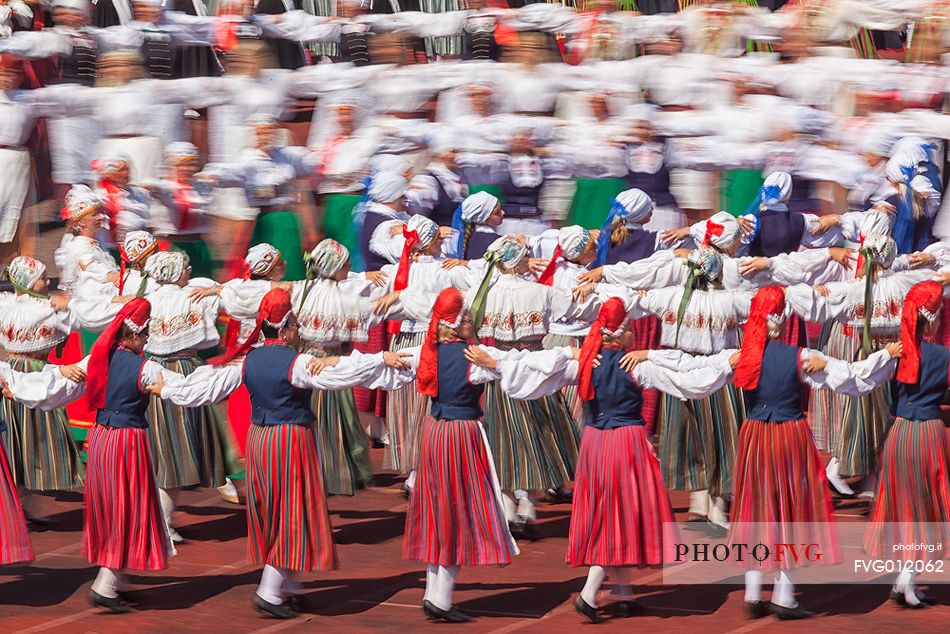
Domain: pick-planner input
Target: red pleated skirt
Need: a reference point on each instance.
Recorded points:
(912, 501)
(288, 525)
(780, 493)
(123, 526)
(372, 400)
(455, 517)
(646, 336)
(14, 538)
(239, 416)
(621, 514)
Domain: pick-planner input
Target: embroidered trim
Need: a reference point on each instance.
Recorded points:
(701, 322)
(175, 325)
(32, 339)
(513, 326)
(324, 328)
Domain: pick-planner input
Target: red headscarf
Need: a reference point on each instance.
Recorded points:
(926, 296)
(135, 314)
(612, 319)
(448, 311)
(274, 311)
(547, 277)
(769, 301)
(411, 237)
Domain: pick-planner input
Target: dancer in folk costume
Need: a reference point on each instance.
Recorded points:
(42, 452)
(240, 298)
(123, 527)
(456, 517)
(287, 517)
(128, 206)
(912, 500)
(780, 490)
(80, 252)
(189, 445)
(621, 515)
(15, 546)
(476, 220)
(534, 442)
(864, 316)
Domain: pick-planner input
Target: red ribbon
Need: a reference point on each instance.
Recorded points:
(113, 202)
(225, 35)
(183, 203)
(402, 272)
(547, 276)
(713, 230)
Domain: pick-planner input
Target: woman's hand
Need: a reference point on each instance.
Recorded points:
(155, 389)
(122, 299)
(59, 301)
(747, 226)
(581, 293)
(377, 278)
(537, 265)
(451, 263)
(73, 373)
(894, 348)
(750, 266)
(446, 232)
(317, 364)
(841, 255)
(396, 230)
(734, 359)
(822, 290)
(592, 276)
(814, 364)
(632, 359)
(672, 236)
(384, 303)
(920, 259)
(682, 253)
(198, 294)
(396, 360)
(825, 223)
(5, 390)
(479, 357)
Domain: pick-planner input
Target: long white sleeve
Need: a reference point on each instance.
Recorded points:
(657, 271)
(354, 369)
(207, 384)
(812, 266)
(808, 304)
(532, 375)
(680, 361)
(696, 383)
(385, 245)
(851, 379)
(47, 389)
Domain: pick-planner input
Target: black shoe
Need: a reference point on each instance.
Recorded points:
(278, 611)
(296, 603)
(115, 604)
(789, 614)
(452, 615)
(524, 529)
(900, 600)
(626, 609)
(756, 609)
(698, 525)
(585, 609)
(379, 444)
(40, 523)
(715, 530)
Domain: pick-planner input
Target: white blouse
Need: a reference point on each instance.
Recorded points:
(178, 323)
(29, 324)
(77, 254)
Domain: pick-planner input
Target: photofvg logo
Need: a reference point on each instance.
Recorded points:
(819, 553)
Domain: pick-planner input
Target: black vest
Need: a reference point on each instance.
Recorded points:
(79, 67)
(457, 398)
(520, 202)
(639, 245)
(354, 48)
(478, 244)
(618, 399)
(274, 399)
(779, 232)
(125, 404)
(444, 207)
(922, 400)
(778, 396)
(480, 45)
(371, 261)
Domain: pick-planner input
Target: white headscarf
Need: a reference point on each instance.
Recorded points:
(24, 271)
(636, 206)
(720, 231)
(478, 207)
(425, 228)
(166, 267)
(510, 250)
(138, 244)
(387, 187)
(573, 240)
(262, 258)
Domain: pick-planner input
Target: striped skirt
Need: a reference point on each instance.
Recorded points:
(621, 515)
(781, 494)
(288, 525)
(912, 501)
(455, 516)
(698, 441)
(534, 443)
(825, 406)
(342, 443)
(646, 336)
(81, 416)
(43, 454)
(372, 401)
(14, 536)
(123, 527)
(577, 406)
(189, 445)
(406, 409)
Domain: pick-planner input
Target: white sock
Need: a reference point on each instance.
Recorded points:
(595, 577)
(272, 581)
(106, 583)
(432, 572)
(228, 488)
(753, 586)
(831, 472)
(905, 584)
(783, 592)
(698, 503)
(441, 595)
(167, 501)
(717, 511)
(509, 505)
(621, 578)
(525, 505)
(411, 480)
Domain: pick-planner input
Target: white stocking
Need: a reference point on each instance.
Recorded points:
(783, 592)
(167, 500)
(595, 578)
(525, 505)
(432, 572)
(905, 584)
(272, 581)
(106, 583)
(717, 511)
(698, 503)
(509, 504)
(753, 586)
(292, 585)
(411, 480)
(441, 597)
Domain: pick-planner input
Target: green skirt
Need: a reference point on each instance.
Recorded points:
(338, 224)
(199, 257)
(42, 453)
(342, 442)
(592, 201)
(737, 189)
(494, 190)
(282, 229)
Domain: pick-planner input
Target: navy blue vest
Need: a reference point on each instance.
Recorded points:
(520, 202)
(779, 232)
(457, 398)
(778, 397)
(371, 261)
(478, 244)
(921, 401)
(657, 186)
(444, 207)
(617, 398)
(639, 245)
(125, 403)
(802, 198)
(274, 399)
